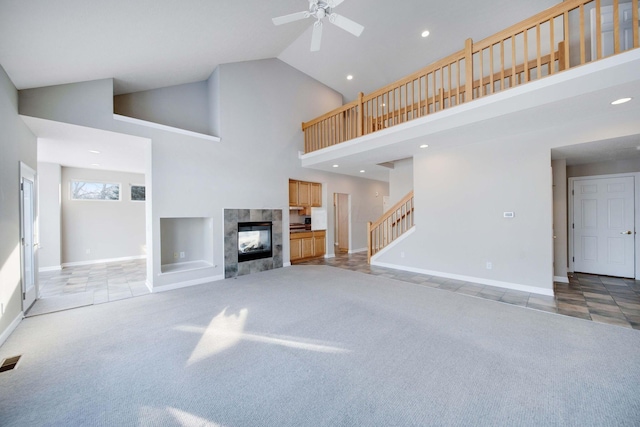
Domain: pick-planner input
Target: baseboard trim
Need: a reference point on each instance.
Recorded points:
(54, 268)
(186, 284)
(561, 279)
(327, 256)
(12, 327)
(102, 261)
(286, 264)
(355, 251)
(482, 281)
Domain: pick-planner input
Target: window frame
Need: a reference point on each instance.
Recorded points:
(131, 189)
(93, 181)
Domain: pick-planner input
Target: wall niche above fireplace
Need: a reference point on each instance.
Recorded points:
(252, 241)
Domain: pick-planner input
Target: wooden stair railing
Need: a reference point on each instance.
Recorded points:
(567, 35)
(391, 225)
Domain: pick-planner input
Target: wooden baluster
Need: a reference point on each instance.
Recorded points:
(552, 48)
(502, 64)
(566, 41)
(491, 83)
(636, 36)
(538, 53)
(468, 54)
(360, 116)
(513, 81)
(525, 35)
(583, 52)
(616, 27)
(369, 242)
(598, 30)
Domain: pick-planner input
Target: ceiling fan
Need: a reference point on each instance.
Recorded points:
(321, 9)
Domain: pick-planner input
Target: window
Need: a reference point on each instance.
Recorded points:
(137, 193)
(85, 190)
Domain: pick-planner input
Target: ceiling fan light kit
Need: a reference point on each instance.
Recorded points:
(320, 9)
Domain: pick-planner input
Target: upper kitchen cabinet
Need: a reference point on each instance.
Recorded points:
(305, 194)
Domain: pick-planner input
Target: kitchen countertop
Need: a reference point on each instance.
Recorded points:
(303, 231)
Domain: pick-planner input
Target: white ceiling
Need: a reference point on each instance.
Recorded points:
(147, 44)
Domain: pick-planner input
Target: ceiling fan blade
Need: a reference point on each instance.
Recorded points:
(316, 36)
(346, 24)
(290, 18)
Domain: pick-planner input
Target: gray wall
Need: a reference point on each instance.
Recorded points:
(604, 168)
(400, 180)
(49, 215)
(107, 229)
(184, 106)
(248, 169)
(461, 194)
(17, 143)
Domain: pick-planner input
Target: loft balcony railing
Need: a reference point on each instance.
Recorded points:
(570, 34)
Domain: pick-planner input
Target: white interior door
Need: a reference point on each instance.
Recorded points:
(626, 23)
(28, 238)
(604, 226)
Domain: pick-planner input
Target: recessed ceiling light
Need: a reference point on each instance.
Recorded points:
(425, 33)
(424, 146)
(335, 166)
(95, 164)
(94, 151)
(349, 77)
(362, 171)
(620, 101)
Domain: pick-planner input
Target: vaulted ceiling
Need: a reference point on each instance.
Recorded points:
(146, 44)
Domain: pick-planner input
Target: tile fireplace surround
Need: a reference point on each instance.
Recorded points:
(233, 268)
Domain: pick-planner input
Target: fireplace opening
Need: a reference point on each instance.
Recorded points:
(254, 241)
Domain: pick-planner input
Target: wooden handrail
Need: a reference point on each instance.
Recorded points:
(391, 225)
(332, 113)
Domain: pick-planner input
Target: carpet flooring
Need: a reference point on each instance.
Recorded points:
(318, 346)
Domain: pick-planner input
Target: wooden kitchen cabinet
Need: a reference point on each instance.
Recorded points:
(293, 193)
(316, 195)
(296, 249)
(319, 240)
(307, 247)
(307, 244)
(305, 194)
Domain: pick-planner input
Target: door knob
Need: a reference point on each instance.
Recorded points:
(626, 232)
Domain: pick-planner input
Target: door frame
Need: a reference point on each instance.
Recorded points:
(336, 221)
(29, 173)
(636, 184)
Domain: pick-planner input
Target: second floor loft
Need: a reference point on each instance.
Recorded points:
(566, 36)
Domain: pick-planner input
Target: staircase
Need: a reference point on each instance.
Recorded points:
(391, 225)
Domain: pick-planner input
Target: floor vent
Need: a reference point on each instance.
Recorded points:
(9, 363)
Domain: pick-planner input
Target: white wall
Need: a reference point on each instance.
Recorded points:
(461, 194)
(49, 215)
(560, 255)
(184, 106)
(17, 144)
(102, 230)
(400, 180)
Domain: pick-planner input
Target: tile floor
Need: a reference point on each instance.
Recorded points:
(601, 299)
(108, 282)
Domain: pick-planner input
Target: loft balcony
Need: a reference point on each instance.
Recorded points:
(528, 64)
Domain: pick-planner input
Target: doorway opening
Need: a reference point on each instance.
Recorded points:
(602, 233)
(342, 221)
(28, 235)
